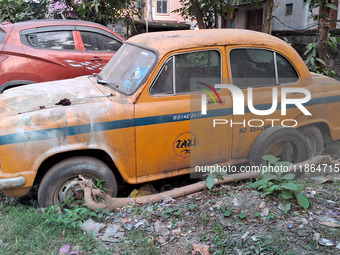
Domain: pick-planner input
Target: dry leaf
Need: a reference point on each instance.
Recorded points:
(329, 224)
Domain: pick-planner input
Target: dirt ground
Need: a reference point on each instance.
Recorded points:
(230, 219)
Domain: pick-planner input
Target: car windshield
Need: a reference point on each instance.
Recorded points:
(126, 71)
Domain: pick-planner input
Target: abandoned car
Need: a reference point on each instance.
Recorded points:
(166, 103)
(47, 50)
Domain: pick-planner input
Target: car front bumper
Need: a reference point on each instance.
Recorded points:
(10, 183)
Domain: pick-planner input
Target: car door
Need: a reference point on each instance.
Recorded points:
(264, 71)
(98, 47)
(53, 52)
(172, 135)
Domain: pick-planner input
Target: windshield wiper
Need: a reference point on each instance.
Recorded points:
(101, 81)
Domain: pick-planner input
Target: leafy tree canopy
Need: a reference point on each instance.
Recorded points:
(21, 10)
(100, 11)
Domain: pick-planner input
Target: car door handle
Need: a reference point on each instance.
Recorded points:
(211, 101)
(297, 93)
(96, 59)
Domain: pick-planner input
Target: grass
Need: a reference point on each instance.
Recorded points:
(24, 230)
(138, 242)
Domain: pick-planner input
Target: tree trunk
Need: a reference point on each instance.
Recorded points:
(222, 14)
(324, 19)
(198, 14)
(268, 16)
(228, 14)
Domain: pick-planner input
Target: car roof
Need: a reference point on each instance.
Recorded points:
(51, 22)
(165, 42)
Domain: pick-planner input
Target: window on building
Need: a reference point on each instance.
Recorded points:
(289, 9)
(162, 6)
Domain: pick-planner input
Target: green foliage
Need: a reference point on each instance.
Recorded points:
(312, 59)
(73, 217)
(242, 215)
(275, 182)
(22, 10)
(257, 214)
(225, 210)
(100, 11)
(210, 9)
(317, 3)
(270, 216)
(192, 207)
(99, 184)
(24, 230)
(210, 182)
(173, 212)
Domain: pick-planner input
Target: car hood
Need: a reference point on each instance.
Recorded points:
(46, 95)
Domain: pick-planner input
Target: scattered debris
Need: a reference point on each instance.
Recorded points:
(142, 222)
(338, 246)
(262, 205)
(145, 190)
(162, 240)
(202, 249)
(265, 211)
(304, 221)
(316, 236)
(64, 102)
(161, 229)
(64, 250)
(254, 238)
(42, 107)
(325, 242)
(92, 226)
(329, 224)
(166, 199)
(244, 237)
(236, 202)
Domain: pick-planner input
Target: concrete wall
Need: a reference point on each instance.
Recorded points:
(297, 19)
(300, 40)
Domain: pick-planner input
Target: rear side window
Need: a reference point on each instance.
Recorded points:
(54, 40)
(260, 68)
(2, 35)
(98, 42)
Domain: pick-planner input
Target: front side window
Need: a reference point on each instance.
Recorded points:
(128, 68)
(54, 40)
(184, 73)
(162, 6)
(2, 35)
(98, 42)
(260, 68)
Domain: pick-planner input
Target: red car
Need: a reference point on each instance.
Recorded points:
(46, 50)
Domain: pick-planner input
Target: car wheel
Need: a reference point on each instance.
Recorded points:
(286, 143)
(314, 139)
(59, 184)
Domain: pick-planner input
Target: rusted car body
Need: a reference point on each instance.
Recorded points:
(145, 124)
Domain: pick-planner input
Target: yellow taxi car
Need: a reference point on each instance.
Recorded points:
(166, 103)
